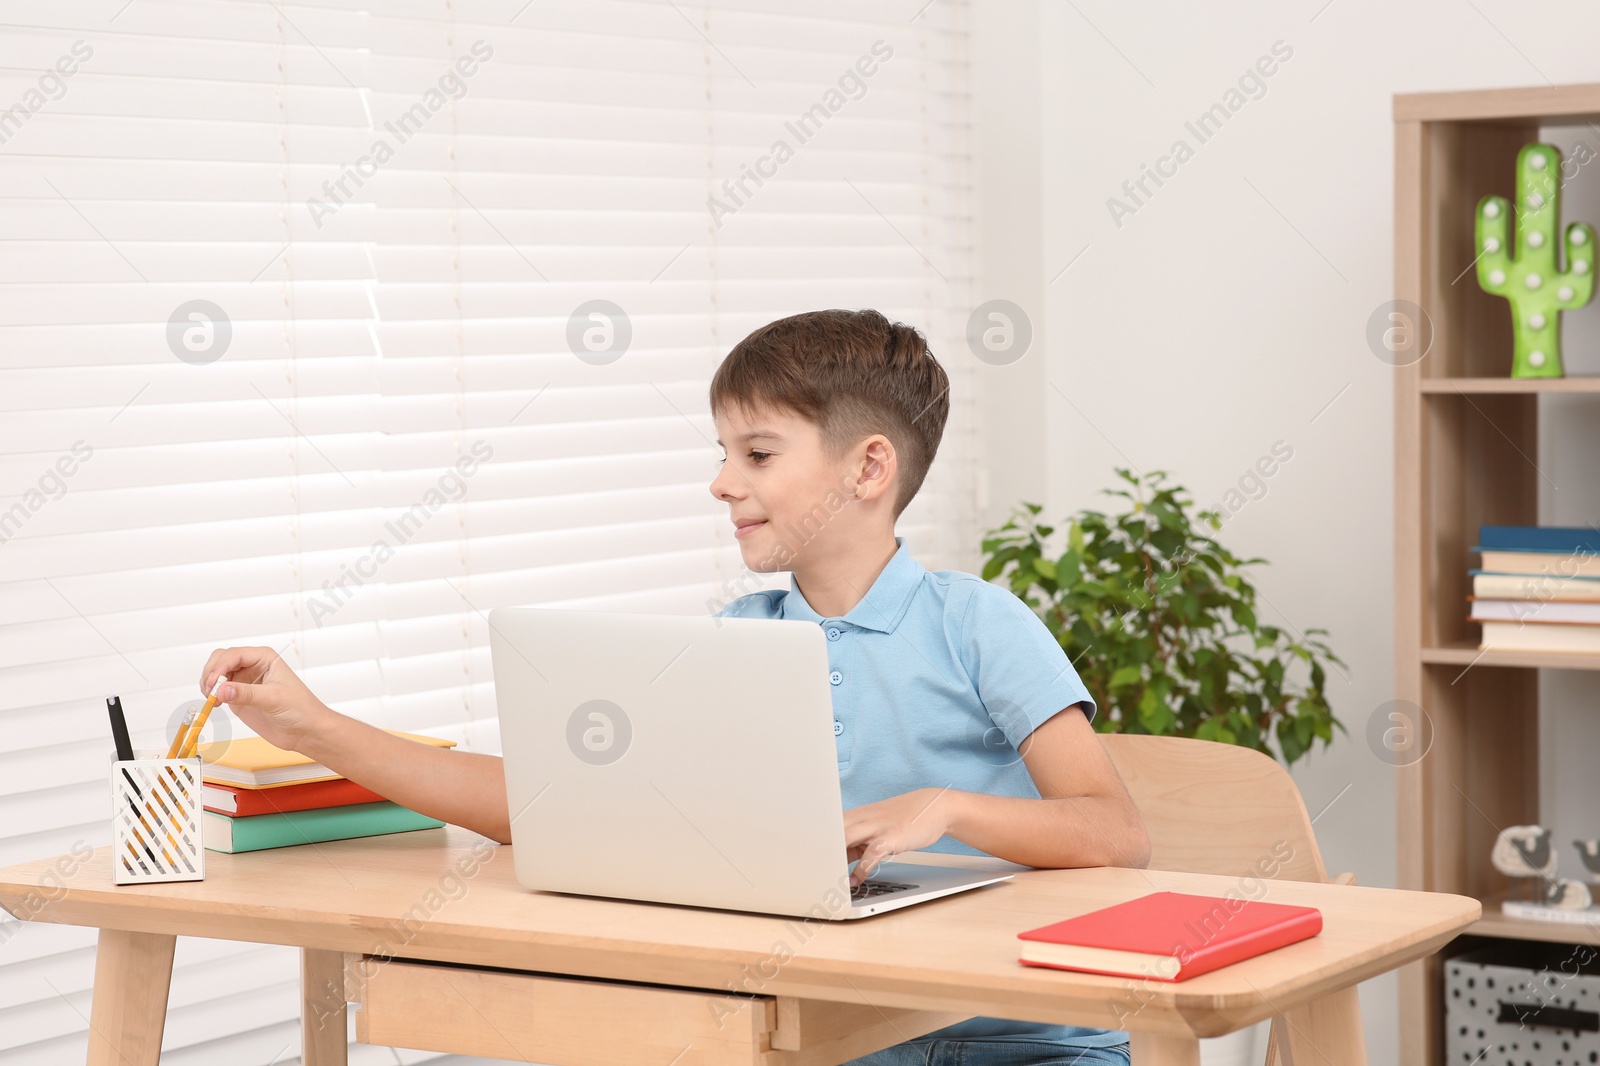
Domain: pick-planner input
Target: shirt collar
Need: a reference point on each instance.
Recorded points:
(885, 602)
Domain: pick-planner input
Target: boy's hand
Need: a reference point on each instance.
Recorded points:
(877, 832)
(266, 695)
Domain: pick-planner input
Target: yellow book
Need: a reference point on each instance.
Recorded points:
(252, 762)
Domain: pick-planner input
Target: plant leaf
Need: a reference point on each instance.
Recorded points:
(1126, 675)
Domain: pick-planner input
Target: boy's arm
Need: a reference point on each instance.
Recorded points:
(462, 788)
(1084, 817)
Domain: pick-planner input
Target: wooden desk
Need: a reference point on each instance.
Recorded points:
(586, 981)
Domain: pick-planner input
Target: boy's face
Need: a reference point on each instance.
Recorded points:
(785, 493)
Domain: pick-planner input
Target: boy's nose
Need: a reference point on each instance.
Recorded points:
(724, 486)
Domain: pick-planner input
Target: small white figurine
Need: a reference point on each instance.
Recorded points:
(1589, 852)
(1567, 894)
(1523, 853)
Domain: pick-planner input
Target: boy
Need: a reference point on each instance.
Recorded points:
(960, 724)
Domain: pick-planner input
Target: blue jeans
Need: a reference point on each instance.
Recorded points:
(993, 1053)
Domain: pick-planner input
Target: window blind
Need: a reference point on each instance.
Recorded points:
(330, 327)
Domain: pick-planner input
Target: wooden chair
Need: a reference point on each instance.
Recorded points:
(1221, 809)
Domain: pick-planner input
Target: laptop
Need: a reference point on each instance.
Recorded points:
(687, 760)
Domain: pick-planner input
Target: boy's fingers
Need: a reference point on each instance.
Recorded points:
(235, 694)
(872, 856)
(212, 667)
(234, 662)
(221, 661)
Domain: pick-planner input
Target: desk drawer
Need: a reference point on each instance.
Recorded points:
(577, 1022)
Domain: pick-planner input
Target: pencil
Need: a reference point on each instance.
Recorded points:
(200, 720)
(179, 737)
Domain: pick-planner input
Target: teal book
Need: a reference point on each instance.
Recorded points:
(258, 832)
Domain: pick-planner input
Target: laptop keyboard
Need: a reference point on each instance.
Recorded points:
(872, 887)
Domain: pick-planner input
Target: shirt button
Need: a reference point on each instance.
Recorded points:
(833, 632)
(836, 677)
(838, 727)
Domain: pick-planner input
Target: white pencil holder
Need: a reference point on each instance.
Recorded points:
(155, 821)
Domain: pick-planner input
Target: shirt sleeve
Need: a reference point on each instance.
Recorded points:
(1022, 675)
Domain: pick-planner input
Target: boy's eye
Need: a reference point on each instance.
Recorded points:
(760, 457)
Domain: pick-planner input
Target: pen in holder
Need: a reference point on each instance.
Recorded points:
(155, 820)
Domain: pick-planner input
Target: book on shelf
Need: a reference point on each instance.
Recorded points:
(262, 831)
(253, 762)
(1489, 586)
(1560, 540)
(1555, 566)
(1540, 636)
(1574, 612)
(1561, 552)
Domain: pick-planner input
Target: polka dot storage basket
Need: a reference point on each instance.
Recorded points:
(1524, 1003)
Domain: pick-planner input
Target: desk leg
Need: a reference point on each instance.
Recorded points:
(324, 1033)
(1154, 1049)
(1326, 1030)
(132, 973)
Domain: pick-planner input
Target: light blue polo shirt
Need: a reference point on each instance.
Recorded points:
(938, 677)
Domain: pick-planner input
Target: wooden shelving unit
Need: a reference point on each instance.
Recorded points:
(1466, 439)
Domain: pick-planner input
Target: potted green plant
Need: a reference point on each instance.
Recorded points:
(1160, 621)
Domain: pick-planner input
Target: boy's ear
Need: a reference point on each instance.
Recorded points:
(877, 469)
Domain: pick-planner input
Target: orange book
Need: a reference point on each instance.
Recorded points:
(1168, 936)
(311, 795)
(254, 762)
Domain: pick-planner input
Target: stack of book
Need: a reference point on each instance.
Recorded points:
(1538, 588)
(257, 796)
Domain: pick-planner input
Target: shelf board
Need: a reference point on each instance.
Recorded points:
(1465, 654)
(1494, 923)
(1452, 386)
(1550, 105)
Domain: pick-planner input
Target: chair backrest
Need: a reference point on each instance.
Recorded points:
(1217, 808)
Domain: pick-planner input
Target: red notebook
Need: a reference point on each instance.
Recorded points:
(243, 802)
(1168, 936)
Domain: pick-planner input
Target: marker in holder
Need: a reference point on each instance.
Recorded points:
(155, 820)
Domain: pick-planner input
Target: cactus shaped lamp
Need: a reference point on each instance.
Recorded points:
(1537, 290)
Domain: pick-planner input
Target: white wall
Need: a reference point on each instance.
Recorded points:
(1230, 309)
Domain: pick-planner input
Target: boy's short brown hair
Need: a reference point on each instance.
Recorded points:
(852, 374)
